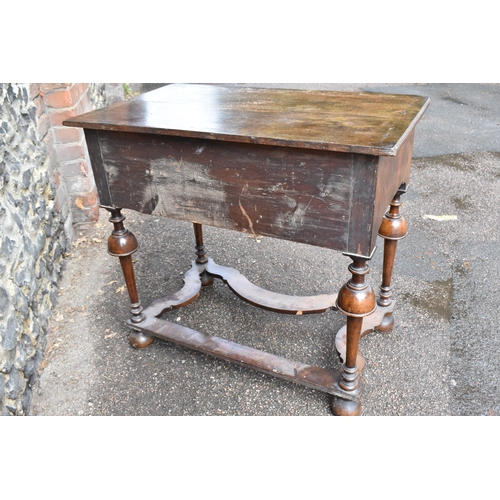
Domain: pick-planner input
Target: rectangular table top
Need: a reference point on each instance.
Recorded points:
(354, 122)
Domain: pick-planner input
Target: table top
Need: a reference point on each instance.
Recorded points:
(354, 122)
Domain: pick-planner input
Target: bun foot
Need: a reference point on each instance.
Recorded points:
(140, 340)
(345, 408)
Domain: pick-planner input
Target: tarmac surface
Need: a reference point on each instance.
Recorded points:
(442, 357)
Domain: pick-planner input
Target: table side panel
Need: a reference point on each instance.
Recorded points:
(290, 193)
(94, 149)
(393, 171)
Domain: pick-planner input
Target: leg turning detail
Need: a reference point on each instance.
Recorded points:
(122, 243)
(356, 300)
(206, 279)
(392, 229)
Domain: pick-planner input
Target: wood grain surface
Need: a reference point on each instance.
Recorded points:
(368, 123)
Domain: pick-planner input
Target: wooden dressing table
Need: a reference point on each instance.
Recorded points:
(315, 167)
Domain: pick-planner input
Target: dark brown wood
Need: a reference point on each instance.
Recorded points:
(357, 122)
(385, 294)
(371, 323)
(393, 228)
(349, 372)
(94, 149)
(308, 166)
(246, 290)
(122, 243)
(294, 194)
(361, 241)
(269, 300)
(185, 296)
(200, 252)
(200, 247)
(321, 198)
(356, 300)
(310, 376)
(394, 174)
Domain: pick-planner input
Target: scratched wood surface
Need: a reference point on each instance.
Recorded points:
(368, 123)
(330, 199)
(307, 166)
(296, 194)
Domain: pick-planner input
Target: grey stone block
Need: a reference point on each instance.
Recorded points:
(8, 246)
(4, 302)
(9, 334)
(21, 303)
(10, 410)
(13, 384)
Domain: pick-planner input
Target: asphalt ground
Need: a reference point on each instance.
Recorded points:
(441, 359)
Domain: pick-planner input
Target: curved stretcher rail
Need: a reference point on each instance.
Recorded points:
(270, 300)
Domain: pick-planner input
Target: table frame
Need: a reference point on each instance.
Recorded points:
(225, 170)
(356, 300)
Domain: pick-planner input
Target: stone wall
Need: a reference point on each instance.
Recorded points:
(46, 186)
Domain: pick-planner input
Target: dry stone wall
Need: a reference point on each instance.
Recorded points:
(36, 217)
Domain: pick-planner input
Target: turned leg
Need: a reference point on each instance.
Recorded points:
(122, 243)
(356, 300)
(206, 279)
(392, 229)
